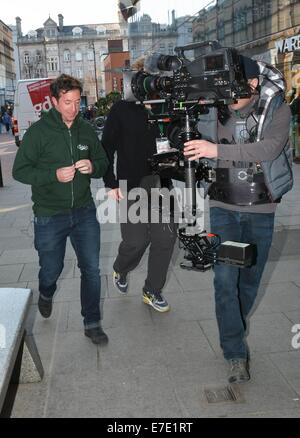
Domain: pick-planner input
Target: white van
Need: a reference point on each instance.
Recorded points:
(32, 96)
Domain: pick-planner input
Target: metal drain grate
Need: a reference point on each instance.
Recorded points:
(223, 394)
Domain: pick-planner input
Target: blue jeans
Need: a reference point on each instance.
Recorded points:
(236, 288)
(50, 237)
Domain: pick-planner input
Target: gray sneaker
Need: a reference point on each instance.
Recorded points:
(238, 371)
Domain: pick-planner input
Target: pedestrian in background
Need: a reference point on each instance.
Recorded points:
(6, 120)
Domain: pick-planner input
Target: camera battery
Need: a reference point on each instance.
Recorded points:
(236, 253)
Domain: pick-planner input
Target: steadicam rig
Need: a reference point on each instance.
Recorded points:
(216, 78)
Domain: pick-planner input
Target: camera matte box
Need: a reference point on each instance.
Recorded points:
(236, 253)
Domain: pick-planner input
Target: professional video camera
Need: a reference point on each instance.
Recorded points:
(215, 78)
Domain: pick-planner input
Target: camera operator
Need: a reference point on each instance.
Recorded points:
(252, 173)
(128, 133)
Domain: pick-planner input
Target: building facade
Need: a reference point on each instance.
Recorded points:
(146, 37)
(266, 30)
(76, 50)
(114, 63)
(7, 65)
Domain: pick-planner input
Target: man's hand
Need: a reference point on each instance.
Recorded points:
(84, 166)
(65, 174)
(195, 149)
(115, 194)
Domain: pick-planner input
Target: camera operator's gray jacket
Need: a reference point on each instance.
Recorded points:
(270, 147)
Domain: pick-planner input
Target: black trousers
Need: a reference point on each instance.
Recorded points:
(136, 237)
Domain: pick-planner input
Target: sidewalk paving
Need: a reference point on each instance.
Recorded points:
(155, 365)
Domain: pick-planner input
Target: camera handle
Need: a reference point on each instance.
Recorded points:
(187, 134)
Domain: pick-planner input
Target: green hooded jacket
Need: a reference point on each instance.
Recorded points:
(49, 145)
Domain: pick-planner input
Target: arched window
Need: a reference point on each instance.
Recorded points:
(26, 58)
(38, 56)
(101, 30)
(77, 31)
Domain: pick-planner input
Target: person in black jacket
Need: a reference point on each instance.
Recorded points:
(128, 133)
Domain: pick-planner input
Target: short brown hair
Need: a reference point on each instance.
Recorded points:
(63, 84)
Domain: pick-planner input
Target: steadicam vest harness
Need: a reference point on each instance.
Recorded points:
(264, 182)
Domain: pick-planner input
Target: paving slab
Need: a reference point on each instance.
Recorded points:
(93, 394)
(277, 297)
(31, 271)
(10, 273)
(123, 312)
(288, 366)
(269, 332)
(14, 256)
(267, 389)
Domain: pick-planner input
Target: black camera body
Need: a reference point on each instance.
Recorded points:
(216, 76)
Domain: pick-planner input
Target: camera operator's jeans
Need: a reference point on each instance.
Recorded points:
(50, 237)
(236, 288)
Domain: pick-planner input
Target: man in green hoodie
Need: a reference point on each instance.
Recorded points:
(58, 157)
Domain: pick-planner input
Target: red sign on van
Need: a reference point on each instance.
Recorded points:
(39, 92)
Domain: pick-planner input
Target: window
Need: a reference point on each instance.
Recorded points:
(39, 72)
(79, 72)
(90, 55)
(38, 57)
(67, 55)
(77, 31)
(101, 30)
(50, 33)
(52, 63)
(26, 58)
(78, 55)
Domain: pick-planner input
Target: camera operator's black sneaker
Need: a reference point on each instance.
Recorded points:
(45, 307)
(97, 335)
(238, 371)
(120, 282)
(156, 300)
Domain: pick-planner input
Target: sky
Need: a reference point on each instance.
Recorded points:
(35, 12)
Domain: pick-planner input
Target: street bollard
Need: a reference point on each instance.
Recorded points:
(1, 179)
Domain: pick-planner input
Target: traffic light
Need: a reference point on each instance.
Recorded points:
(128, 8)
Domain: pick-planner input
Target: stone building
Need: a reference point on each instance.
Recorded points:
(7, 65)
(78, 50)
(268, 30)
(146, 36)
